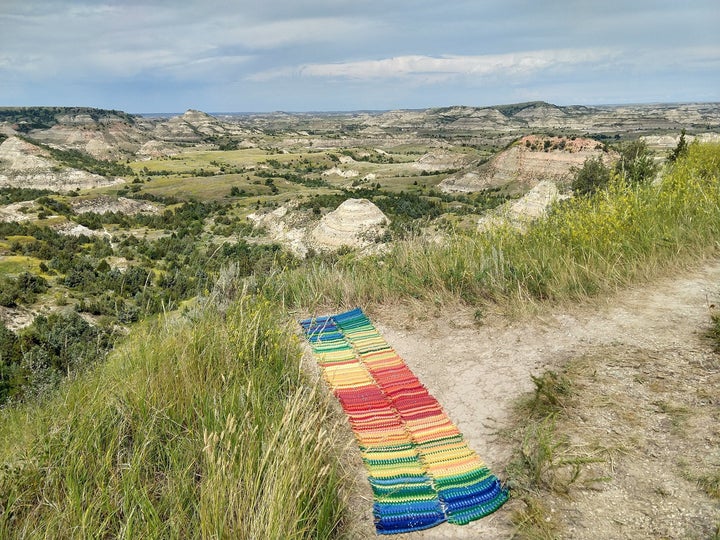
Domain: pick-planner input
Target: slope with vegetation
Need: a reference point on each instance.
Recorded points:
(196, 427)
(585, 246)
(201, 422)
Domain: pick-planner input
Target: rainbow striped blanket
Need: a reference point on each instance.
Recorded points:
(420, 468)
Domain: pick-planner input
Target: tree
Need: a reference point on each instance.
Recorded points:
(591, 177)
(636, 165)
(680, 150)
(9, 347)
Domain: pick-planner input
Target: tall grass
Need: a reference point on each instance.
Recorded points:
(193, 429)
(584, 246)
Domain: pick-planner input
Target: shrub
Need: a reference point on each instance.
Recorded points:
(636, 165)
(680, 150)
(21, 290)
(591, 177)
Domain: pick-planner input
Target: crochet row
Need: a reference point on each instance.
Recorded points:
(420, 468)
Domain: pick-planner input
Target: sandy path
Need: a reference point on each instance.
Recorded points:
(476, 371)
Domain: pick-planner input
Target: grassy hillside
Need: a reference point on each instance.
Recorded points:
(29, 118)
(585, 246)
(196, 427)
(203, 425)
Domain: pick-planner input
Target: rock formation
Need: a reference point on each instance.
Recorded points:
(528, 161)
(193, 127)
(278, 228)
(440, 160)
(354, 224)
(23, 164)
(157, 149)
(349, 173)
(527, 208)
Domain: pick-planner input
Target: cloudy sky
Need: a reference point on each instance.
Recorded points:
(313, 55)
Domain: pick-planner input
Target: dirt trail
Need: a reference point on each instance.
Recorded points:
(477, 370)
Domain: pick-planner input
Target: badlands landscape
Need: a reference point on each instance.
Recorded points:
(281, 185)
(562, 259)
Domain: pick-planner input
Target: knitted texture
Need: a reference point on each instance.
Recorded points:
(420, 468)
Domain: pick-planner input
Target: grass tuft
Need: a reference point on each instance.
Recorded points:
(545, 461)
(552, 390)
(714, 332)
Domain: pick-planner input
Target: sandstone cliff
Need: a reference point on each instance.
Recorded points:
(527, 162)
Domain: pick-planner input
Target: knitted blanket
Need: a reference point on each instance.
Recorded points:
(420, 468)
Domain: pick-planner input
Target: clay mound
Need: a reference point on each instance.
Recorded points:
(350, 173)
(156, 149)
(529, 207)
(354, 224)
(530, 160)
(23, 164)
(542, 115)
(105, 204)
(192, 126)
(440, 160)
(18, 155)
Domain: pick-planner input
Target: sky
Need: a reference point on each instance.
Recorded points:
(145, 56)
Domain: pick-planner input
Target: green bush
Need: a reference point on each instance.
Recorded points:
(36, 359)
(21, 290)
(591, 177)
(636, 165)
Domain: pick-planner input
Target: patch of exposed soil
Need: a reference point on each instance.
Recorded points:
(20, 211)
(104, 204)
(23, 164)
(654, 416)
(16, 318)
(659, 377)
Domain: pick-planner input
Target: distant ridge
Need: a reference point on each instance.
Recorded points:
(29, 118)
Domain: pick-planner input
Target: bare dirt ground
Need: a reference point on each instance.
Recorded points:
(650, 390)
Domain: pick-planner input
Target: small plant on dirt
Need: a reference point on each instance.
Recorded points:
(714, 332)
(535, 521)
(552, 391)
(544, 461)
(710, 483)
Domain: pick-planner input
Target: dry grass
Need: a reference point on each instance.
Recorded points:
(195, 428)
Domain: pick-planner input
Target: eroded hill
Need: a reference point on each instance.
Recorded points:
(528, 161)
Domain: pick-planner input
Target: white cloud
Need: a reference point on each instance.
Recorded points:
(95, 40)
(446, 66)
